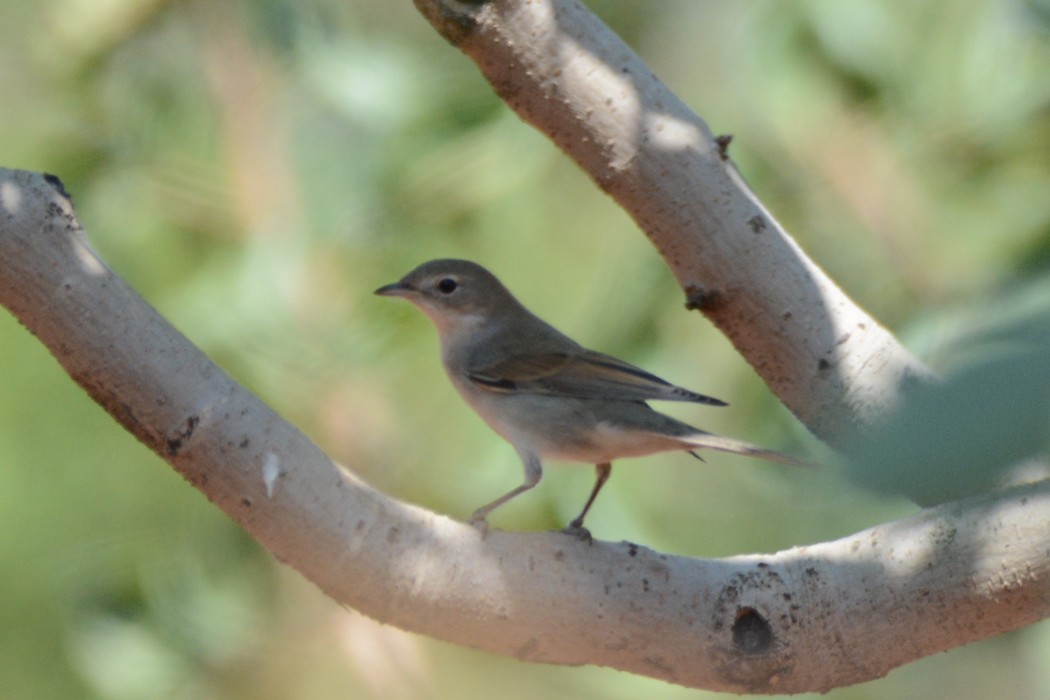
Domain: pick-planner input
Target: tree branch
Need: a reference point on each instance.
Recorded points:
(563, 71)
(810, 618)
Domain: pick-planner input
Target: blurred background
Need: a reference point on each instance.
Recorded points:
(256, 169)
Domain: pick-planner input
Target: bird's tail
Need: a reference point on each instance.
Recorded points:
(726, 444)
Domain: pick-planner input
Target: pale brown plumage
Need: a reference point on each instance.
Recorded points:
(544, 393)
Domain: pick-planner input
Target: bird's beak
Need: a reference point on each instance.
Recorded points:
(397, 289)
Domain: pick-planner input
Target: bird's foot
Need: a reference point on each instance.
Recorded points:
(479, 524)
(577, 530)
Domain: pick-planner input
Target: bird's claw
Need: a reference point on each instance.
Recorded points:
(479, 524)
(578, 531)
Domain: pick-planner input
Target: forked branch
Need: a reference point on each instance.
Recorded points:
(810, 618)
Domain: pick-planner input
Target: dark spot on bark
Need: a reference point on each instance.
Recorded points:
(698, 298)
(752, 633)
(723, 141)
(55, 182)
(181, 435)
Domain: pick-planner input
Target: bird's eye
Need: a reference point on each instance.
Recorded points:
(447, 285)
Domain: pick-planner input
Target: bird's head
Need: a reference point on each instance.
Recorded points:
(454, 294)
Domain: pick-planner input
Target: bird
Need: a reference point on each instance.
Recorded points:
(545, 394)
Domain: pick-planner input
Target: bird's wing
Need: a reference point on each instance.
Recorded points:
(584, 375)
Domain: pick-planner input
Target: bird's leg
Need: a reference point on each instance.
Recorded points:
(576, 527)
(533, 473)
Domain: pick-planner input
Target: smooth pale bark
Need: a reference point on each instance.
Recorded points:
(810, 618)
(563, 71)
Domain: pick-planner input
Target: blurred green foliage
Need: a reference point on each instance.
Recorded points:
(255, 169)
(986, 424)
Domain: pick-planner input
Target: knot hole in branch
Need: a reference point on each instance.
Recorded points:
(752, 634)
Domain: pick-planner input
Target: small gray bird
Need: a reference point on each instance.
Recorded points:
(545, 394)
